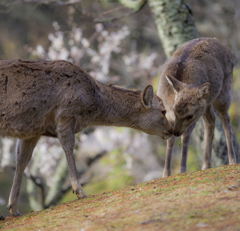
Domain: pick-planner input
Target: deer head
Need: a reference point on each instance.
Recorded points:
(190, 103)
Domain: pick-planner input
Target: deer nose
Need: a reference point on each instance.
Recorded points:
(176, 133)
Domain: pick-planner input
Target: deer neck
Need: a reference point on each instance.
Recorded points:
(118, 107)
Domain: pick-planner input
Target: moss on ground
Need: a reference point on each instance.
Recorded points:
(202, 200)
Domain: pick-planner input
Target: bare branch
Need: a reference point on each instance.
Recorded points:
(46, 2)
(38, 182)
(83, 181)
(92, 160)
(113, 10)
(122, 16)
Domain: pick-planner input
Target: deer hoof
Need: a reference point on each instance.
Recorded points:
(80, 193)
(2, 217)
(84, 196)
(206, 167)
(13, 213)
(17, 214)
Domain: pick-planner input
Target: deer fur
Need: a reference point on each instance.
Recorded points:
(59, 99)
(194, 82)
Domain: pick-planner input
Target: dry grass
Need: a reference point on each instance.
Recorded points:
(203, 200)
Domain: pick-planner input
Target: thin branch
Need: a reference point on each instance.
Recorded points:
(92, 160)
(46, 2)
(9, 5)
(113, 10)
(37, 181)
(83, 180)
(122, 16)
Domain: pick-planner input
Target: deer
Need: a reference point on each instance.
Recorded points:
(58, 99)
(194, 82)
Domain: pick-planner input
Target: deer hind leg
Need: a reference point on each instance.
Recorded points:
(65, 131)
(226, 122)
(209, 125)
(24, 151)
(185, 138)
(222, 105)
(168, 159)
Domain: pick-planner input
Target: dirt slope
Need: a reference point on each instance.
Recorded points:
(203, 200)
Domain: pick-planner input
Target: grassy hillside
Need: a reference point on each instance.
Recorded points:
(203, 200)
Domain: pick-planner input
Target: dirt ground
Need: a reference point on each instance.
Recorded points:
(204, 200)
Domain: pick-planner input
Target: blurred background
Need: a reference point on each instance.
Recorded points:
(120, 42)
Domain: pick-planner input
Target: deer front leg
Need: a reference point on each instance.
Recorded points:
(1, 216)
(225, 118)
(24, 151)
(209, 125)
(185, 138)
(66, 137)
(168, 159)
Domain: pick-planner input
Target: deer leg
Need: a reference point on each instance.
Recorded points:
(66, 137)
(221, 105)
(1, 216)
(24, 151)
(185, 138)
(225, 118)
(209, 125)
(168, 159)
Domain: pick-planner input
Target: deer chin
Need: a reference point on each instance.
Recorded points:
(166, 136)
(178, 132)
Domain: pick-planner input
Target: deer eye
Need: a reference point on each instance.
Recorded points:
(164, 112)
(189, 117)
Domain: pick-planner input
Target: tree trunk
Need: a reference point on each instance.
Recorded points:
(59, 177)
(174, 21)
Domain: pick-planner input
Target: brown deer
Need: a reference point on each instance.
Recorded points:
(194, 81)
(59, 99)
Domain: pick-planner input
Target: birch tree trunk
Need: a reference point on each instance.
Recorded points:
(174, 21)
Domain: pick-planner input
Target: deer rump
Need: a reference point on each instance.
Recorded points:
(35, 93)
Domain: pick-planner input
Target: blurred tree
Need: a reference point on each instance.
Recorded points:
(175, 24)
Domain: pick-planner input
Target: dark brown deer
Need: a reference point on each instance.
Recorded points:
(194, 81)
(59, 99)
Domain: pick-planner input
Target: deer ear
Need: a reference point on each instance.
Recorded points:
(204, 90)
(147, 96)
(176, 85)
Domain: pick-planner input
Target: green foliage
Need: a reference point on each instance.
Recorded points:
(117, 176)
(132, 4)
